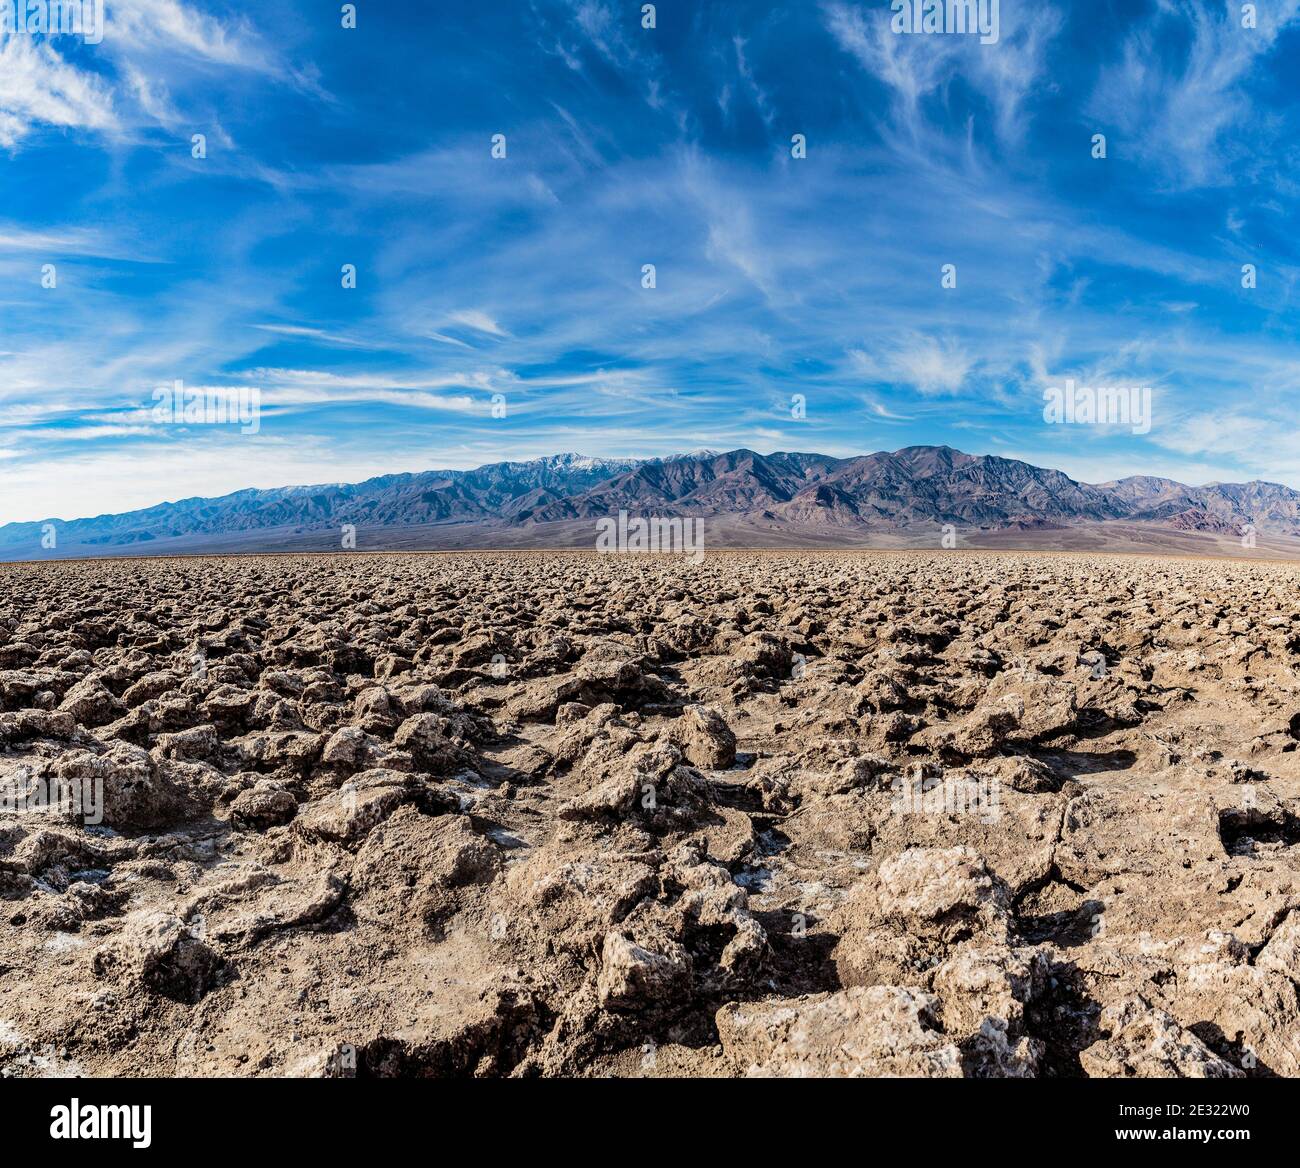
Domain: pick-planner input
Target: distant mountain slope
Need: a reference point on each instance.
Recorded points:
(737, 482)
(436, 496)
(1225, 507)
(920, 484)
(790, 496)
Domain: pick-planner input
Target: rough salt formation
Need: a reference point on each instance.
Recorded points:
(772, 814)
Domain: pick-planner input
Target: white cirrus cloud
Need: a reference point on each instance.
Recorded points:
(930, 365)
(1177, 111)
(38, 86)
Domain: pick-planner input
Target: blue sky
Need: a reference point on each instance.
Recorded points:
(626, 146)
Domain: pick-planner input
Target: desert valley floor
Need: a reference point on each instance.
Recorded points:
(773, 813)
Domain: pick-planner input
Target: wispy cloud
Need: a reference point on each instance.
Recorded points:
(918, 70)
(929, 365)
(479, 321)
(37, 86)
(1180, 90)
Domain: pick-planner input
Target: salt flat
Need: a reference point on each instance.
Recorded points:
(786, 812)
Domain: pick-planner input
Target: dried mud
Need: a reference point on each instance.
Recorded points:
(942, 814)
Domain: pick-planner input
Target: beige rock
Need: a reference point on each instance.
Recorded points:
(876, 1032)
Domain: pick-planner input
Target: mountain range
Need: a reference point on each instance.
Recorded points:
(750, 499)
